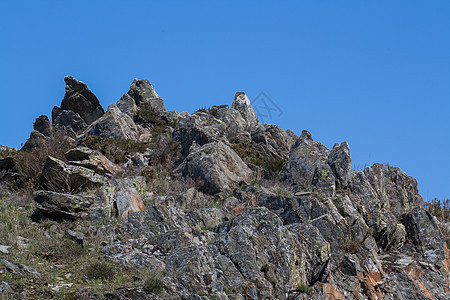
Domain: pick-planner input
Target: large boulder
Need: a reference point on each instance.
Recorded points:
(142, 91)
(68, 119)
(217, 165)
(79, 99)
(242, 104)
(340, 162)
(93, 160)
(423, 230)
(271, 255)
(62, 205)
(200, 127)
(272, 141)
(57, 176)
(122, 196)
(307, 162)
(43, 125)
(36, 140)
(113, 124)
(384, 186)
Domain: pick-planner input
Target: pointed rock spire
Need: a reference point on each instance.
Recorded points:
(79, 99)
(143, 91)
(242, 104)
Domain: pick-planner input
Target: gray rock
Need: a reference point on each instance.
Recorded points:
(4, 249)
(68, 119)
(201, 128)
(113, 124)
(305, 157)
(272, 141)
(79, 99)
(242, 104)
(63, 206)
(383, 186)
(93, 160)
(122, 196)
(36, 140)
(217, 165)
(340, 162)
(423, 231)
(142, 91)
(43, 125)
(77, 237)
(127, 105)
(18, 268)
(5, 288)
(59, 177)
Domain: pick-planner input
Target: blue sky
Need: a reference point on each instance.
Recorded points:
(373, 73)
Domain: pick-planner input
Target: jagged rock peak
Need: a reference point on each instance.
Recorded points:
(43, 125)
(242, 104)
(79, 99)
(143, 91)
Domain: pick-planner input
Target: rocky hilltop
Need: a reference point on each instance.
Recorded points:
(143, 203)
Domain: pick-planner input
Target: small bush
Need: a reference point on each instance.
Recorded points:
(265, 268)
(303, 288)
(203, 110)
(439, 208)
(153, 284)
(99, 270)
(147, 117)
(351, 246)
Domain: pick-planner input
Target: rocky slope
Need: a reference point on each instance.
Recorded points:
(213, 205)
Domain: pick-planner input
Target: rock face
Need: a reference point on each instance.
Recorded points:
(79, 99)
(215, 225)
(217, 165)
(141, 91)
(340, 162)
(199, 127)
(35, 140)
(123, 197)
(388, 187)
(114, 124)
(62, 206)
(308, 162)
(68, 119)
(424, 233)
(43, 125)
(242, 104)
(59, 177)
(93, 160)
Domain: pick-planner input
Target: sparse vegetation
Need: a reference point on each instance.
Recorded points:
(303, 288)
(153, 284)
(99, 270)
(117, 150)
(351, 246)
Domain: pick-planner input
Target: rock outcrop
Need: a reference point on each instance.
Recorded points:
(79, 99)
(242, 104)
(43, 125)
(93, 160)
(113, 124)
(233, 209)
(217, 165)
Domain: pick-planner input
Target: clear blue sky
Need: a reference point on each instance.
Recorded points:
(373, 73)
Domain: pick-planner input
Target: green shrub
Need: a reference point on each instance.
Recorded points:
(303, 288)
(153, 284)
(146, 116)
(99, 270)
